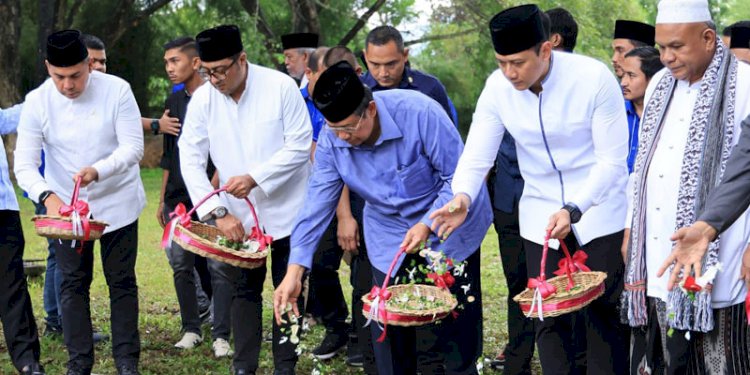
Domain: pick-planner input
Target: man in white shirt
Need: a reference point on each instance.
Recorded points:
(62, 116)
(690, 123)
(565, 112)
(253, 123)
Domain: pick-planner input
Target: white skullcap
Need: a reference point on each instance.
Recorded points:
(683, 11)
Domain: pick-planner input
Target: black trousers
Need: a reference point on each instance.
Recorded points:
(184, 266)
(118, 252)
(451, 346)
(16, 313)
(520, 348)
(325, 296)
(361, 280)
(605, 339)
(247, 309)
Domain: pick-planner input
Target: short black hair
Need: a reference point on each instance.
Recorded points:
(638, 44)
(382, 35)
(563, 23)
(185, 44)
(92, 42)
(312, 60)
(339, 53)
(650, 62)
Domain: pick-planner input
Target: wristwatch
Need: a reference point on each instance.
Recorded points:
(219, 212)
(155, 126)
(575, 212)
(43, 197)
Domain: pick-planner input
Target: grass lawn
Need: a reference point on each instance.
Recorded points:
(159, 312)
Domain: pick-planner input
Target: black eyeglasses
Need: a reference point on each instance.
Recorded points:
(220, 72)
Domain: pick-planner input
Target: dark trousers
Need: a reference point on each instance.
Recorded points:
(52, 281)
(520, 348)
(184, 269)
(605, 339)
(325, 297)
(449, 347)
(118, 251)
(247, 309)
(361, 280)
(16, 313)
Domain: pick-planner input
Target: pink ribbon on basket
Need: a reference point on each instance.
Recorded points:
(571, 265)
(179, 215)
(378, 297)
(79, 213)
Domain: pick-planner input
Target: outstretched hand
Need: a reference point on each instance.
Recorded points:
(687, 254)
(449, 217)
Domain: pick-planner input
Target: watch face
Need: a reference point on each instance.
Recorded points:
(220, 212)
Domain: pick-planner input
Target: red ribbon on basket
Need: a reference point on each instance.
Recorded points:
(539, 283)
(379, 295)
(747, 307)
(179, 215)
(571, 265)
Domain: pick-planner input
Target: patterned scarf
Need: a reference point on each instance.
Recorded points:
(706, 151)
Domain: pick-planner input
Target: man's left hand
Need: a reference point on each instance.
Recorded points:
(559, 225)
(87, 176)
(417, 235)
(240, 186)
(690, 246)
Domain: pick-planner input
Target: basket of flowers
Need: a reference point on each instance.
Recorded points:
(574, 287)
(409, 305)
(73, 221)
(208, 241)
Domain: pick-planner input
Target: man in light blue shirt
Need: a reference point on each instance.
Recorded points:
(398, 151)
(15, 304)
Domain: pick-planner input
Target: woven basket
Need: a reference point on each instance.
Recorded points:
(196, 237)
(398, 316)
(61, 227)
(574, 290)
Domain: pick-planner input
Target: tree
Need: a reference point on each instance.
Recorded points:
(10, 28)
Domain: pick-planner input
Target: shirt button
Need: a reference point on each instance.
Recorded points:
(656, 238)
(661, 175)
(671, 147)
(658, 208)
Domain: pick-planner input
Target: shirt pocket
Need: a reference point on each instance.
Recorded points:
(416, 179)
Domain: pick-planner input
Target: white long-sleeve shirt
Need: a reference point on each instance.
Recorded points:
(663, 186)
(572, 144)
(102, 129)
(266, 135)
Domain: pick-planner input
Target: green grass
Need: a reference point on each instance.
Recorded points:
(159, 311)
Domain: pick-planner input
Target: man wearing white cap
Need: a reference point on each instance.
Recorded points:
(690, 124)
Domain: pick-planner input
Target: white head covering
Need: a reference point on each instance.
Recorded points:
(683, 11)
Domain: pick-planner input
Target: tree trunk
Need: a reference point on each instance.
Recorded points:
(10, 29)
(304, 16)
(47, 24)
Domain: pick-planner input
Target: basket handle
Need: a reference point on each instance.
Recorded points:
(76, 190)
(387, 280)
(217, 192)
(545, 249)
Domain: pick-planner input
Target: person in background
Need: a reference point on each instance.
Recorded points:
(563, 29)
(638, 66)
(740, 43)
(297, 49)
(388, 68)
(629, 35)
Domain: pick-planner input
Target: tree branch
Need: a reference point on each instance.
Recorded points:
(72, 13)
(252, 7)
(361, 23)
(125, 25)
(429, 38)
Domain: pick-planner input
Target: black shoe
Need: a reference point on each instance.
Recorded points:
(499, 362)
(127, 369)
(283, 371)
(331, 344)
(241, 371)
(354, 356)
(33, 369)
(99, 337)
(52, 330)
(77, 371)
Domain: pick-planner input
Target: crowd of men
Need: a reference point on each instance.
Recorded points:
(646, 169)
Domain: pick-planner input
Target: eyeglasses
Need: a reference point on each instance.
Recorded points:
(344, 129)
(220, 72)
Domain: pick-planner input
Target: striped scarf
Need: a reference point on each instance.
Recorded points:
(706, 151)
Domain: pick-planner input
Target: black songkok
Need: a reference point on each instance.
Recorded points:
(740, 37)
(299, 40)
(517, 29)
(338, 92)
(218, 43)
(635, 31)
(65, 48)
